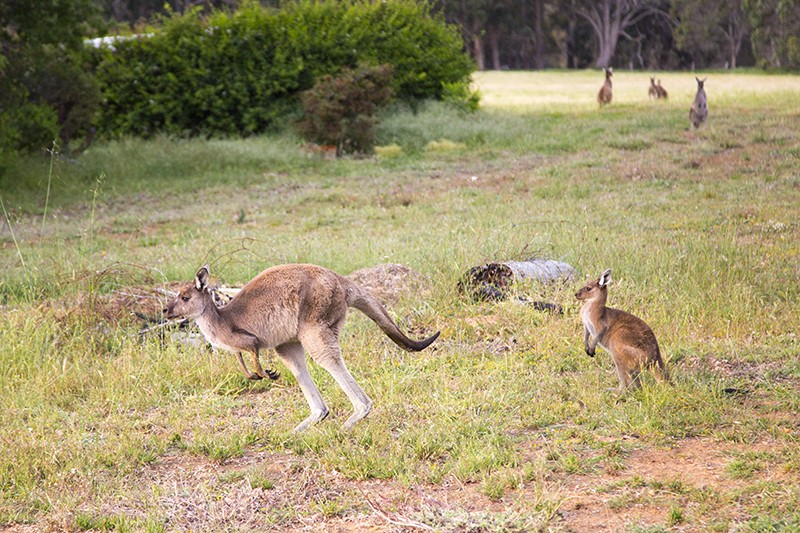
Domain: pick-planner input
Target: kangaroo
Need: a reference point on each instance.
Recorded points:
(604, 96)
(662, 92)
(698, 113)
(293, 309)
(652, 91)
(630, 340)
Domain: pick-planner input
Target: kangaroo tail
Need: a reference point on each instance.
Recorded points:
(360, 299)
(660, 369)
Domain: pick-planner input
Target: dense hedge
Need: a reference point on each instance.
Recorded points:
(236, 73)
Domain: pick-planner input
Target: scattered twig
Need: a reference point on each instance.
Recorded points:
(394, 518)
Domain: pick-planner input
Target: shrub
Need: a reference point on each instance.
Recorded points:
(26, 127)
(340, 110)
(239, 73)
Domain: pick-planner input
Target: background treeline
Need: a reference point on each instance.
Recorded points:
(641, 34)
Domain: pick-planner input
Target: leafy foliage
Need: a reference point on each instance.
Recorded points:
(340, 110)
(43, 89)
(775, 26)
(239, 73)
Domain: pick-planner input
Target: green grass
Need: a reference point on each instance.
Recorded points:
(104, 429)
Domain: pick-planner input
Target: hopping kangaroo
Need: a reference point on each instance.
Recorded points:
(698, 113)
(604, 96)
(630, 340)
(291, 308)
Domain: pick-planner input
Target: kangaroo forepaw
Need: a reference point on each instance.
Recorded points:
(272, 374)
(589, 352)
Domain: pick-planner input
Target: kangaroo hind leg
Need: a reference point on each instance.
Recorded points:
(293, 356)
(323, 346)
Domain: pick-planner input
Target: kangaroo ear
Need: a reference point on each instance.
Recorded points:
(201, 279)
(605, 278)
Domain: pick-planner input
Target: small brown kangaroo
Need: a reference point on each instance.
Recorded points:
(662, 92)
(698, 113)
(630, 340)
(293, 309)
(652, 91)
(604, 96)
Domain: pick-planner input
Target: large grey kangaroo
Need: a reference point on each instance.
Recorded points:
(293, 309)
(698, 113)
(630, 340)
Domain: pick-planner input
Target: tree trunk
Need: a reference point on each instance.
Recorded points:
(478, 51)
(537, 29)
(494, 46)
(570, 41)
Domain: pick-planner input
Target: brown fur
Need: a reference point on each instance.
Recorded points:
(293, 309)
(652, 91)
(662, 92)
(605, 95)
(698, 113)
(630, 340)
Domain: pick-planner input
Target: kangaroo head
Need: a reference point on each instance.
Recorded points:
(700, 82)
(191, 300)
(596, 288)
(653, 81)
(608, 72)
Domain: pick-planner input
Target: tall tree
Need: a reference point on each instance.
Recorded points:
(42, 90)
(710, 31)
(776, 26)
(471, 16)
(611, 18)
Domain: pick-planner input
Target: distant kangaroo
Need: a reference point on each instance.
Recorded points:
(662, 92)
(652, 91)
(698, 114)
(291, 308)
(604, 96)
(630, 340)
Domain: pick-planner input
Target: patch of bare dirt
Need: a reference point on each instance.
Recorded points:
(389, 281)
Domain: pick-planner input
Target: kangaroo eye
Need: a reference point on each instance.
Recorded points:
(185, 298)
(588, 289)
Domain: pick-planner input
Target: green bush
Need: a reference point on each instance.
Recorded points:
(26, 127)
(239, 73)
(340, 110)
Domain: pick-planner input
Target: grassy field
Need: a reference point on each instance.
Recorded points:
(504, 424)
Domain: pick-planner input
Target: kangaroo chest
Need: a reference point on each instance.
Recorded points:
(588, 323)
(213, 336)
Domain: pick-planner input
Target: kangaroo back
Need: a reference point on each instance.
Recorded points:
(359, 298)
(662, 92)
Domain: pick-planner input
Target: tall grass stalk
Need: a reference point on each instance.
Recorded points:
(11, 229)
(98, 183)
(49, 180)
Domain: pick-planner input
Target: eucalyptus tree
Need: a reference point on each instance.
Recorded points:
(710, 31)
(775, 29)
(610, 20)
